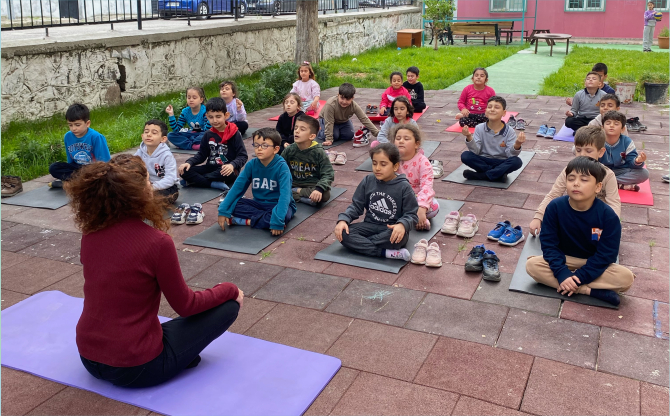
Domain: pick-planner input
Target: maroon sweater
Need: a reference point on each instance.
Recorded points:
(126, 267)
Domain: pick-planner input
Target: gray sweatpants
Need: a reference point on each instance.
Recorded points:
(648, 37)
(371, 239)
(628, 176)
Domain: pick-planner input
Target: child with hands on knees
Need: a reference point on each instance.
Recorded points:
(187, 131)
(334, 119)
(621, 155)
(474, 99)
(159, 160)
(585, 104)
(390, 210)
(286, 121)
(307, 89)
(415, 89)
(401, 113)
(238, 115)
(417, 169)
(391, 93)
(609, 102)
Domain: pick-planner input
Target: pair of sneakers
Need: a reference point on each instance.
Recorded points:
(466, 226)
(519, 124)
(438, 168)
(189, 214)
(505, 234)
(362, 137)
(546, 132)
(336, 158)
(430, 255)
(482, 260)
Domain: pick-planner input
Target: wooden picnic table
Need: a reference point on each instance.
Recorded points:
(552, 37)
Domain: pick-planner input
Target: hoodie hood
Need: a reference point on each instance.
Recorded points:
(161, 165)
(227, 133)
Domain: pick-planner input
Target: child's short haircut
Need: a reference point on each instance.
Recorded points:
(481, 69)
(159, 123)
(389, 149)
(394, 73)
(594, 73)
(498, 99)
(590, 136)
(414, 70)
(216, 105)
(408, 104)
(585, 165)
(307, 65)
(612, 97)
(347, 91)
(232, 84)
(199, 90)
(615, 115)
(600, 67)
(294, 95)
(416, 132)
(77, 112)
(311, 122)
(268, 133)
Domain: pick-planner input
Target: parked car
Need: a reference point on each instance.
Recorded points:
(276, 7)
(200, 8)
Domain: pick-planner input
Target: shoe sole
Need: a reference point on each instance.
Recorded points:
(449, 232)
(361, 145)
(512, 244)
(492, 238)
(177, 222)
(473, 268)
(193, 222)
(491, 278)
(468, 235)
(665, 181)
(434, 265)
(417, 262)
(11, 195)
(539, 135)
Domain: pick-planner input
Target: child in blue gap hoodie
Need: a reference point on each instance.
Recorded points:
(159, 160)
(620, 154)
(268, 174)
(580, 239)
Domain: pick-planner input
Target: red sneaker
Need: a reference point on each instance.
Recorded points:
(362, 138)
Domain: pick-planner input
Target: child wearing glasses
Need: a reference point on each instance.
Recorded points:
(272, 205)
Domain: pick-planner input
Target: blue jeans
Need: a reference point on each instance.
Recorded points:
(341, 131)
(259, 213)
(494, 168)
(185, 139)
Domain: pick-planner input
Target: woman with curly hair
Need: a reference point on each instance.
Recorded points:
(129, 261)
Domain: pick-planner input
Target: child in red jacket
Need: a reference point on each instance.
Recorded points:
(394, 91)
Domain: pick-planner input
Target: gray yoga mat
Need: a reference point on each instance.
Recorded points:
(522, 282)
(242, 239)
(428, 147)
(335, 143)
(250, 131)
(43, 197)
(191, 195)
(457, 175)
(337, 253)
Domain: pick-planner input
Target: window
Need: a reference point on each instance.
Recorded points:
(585, 5)
(659, 5)
(507, 6)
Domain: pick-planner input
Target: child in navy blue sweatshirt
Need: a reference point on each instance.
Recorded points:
(192, 123)
(580, 239)
(268, 174)
(621, 156)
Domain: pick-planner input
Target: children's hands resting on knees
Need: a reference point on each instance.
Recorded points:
(421, 225)
(169, 110)
(227, 170)
(183, 167)
(382, 110)
(276, 232)
(341, 226)
(569, 113)
(315, 196)
(464, 113)
(240, 297)
(398, 232)
(535, 227)
(222, 222)
(327, 143)
(569, 286)
(641, 157)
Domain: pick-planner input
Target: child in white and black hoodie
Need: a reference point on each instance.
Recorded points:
(159, 160)
(390, 209)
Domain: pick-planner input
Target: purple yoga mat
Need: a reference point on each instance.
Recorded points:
(565, 134)
(238, 375)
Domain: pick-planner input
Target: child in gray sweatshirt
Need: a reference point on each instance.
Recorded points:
(159, 160)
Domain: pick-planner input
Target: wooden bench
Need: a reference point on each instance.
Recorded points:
(507, 28)
(475, 29)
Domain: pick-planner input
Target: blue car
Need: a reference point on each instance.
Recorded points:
(200, 8)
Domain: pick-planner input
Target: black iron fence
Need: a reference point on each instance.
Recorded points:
(26, 14)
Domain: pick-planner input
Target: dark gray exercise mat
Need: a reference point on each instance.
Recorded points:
(428, 147)
(242, 239)
(43, 197)
(337, 253)
(191, 195)
(457, 175)
(522, 282)
(246, 135)
(335, 143)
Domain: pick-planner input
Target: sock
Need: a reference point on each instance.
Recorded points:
(195, 147)
(183, 183)
(240, 221)
(402, 254)
(220, 185)
(307, 201)
(606, 295)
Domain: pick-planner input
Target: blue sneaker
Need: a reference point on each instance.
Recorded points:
(511, 236)
(495, 233)
(550, 133)
(542, 131)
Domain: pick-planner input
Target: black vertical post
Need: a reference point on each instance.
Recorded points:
(236, 12)
(139, 14)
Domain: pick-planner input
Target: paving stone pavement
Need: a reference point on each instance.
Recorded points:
(440, 341)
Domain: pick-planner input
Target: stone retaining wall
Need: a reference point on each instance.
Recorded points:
(42, 80)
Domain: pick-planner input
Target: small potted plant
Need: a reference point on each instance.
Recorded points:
(663, 36)
(655, 87)
(625, 85)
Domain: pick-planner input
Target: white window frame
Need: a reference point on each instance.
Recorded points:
(659, 9)
(585, 7)
(511, 6)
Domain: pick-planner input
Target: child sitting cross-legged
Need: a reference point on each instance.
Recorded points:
(580, 239)
(390, 210)
(159, 160)
(474, 98)
(609, 102)
(187, 131)
(415, 89)
(620, 154)
(237, 113)
(270, 178)
(391, 93)
(401, 114)
(307, 89)
(585, 103)
(310, 167)
(493, 150)
(286, 121)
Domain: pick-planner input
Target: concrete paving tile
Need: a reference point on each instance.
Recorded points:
(530, 187)
(353, 272)
(296, 254)
(312, 229)
(7, 211)
(300, 328)
(349, 178)
(72, 401)
(548, 176)
(551, 390)
(31, 276)
(252, 311)
(380, 303)
(330, 212)
(458, 318)
(22, 392)
(467, 368)
(247, 275)
(64, 246)
(556, 339)
(301, 288)
(499, 196)
(21, 236)
(657, 188)
(467, 406)
(634, 356)
(180, 233)
(658, 217)
(9, 258)
(450, 190)
(653, 400)
(533, 202)
(383, 349)
(193, 263)
(634, 214)
(660, 258)
(515, 215)
(650, 284)
(499, 293)
(223, 253)
(61, 219)
(451, 280)
(663, 317)
(10, 298)
(635, 254)
(333, 392)
(164, 308)
(634, 315)
(71, 285)
(7, 224)
(661, 201)
(376, 395)
(637, 233)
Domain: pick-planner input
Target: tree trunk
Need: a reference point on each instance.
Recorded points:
(435, 36)
(307, 31)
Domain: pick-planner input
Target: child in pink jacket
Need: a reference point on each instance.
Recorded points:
(474, 99)
(418, 170)
(391, 93)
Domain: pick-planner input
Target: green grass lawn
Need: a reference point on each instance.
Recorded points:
(570, 78)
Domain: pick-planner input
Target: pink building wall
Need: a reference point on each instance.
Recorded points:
(621, 18)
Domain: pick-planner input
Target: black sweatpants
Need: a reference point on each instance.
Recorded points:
(242, 126)
(202, 176)
(577, 122)
(371, 239)
(171, 193)
(63, 170)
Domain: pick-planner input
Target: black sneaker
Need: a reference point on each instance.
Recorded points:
(55, 184)
(511, 122)
(633, 124)
(490, 265)
(474, 262)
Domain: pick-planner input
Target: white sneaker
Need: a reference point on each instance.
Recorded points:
(331, 156)
(180, 214)
(340, 158)
(434, 255)
(196, 215)
(438, 168)
(419, 255)
(468, 226)
(451, 222)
